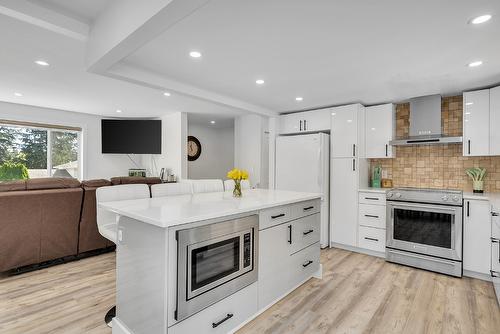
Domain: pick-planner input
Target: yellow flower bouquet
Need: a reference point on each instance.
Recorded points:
(237, 175)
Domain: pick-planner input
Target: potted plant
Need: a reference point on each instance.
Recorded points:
(477, 175)
(237, 175)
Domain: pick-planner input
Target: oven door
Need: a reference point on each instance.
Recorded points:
(425, 228)
(213, 262)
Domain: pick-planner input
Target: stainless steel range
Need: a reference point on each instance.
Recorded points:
(424, 229)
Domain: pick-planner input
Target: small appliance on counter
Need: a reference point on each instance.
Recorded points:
(376, 177)
(137, 172)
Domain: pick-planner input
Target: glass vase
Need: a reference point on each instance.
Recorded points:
(237, 188)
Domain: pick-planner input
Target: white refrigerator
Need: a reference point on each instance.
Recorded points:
(303, 164)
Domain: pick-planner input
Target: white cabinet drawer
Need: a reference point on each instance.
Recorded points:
(304, 264)
(274, 216)
(306, 208)
(371, 238)
(372, 215)
(372, 198)
(236, 309)
(305, 231)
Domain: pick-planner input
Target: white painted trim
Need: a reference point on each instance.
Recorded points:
(37, 15)
(119, 327)
(357, 250)
(481, 276)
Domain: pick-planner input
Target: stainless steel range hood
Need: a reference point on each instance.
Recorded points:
(425, 123)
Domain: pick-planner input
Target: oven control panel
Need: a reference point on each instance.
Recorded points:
(247, 250)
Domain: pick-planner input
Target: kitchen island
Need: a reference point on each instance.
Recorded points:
(209, 262)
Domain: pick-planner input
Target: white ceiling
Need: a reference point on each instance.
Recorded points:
(205, 120)
(66, 84)
(329, 52)
(84, 10)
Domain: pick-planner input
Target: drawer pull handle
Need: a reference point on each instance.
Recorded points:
(216, 324)
(494, 273)
(372, 239)
(308, 208)
(372, 198)
(307, 263)
(307, 232)
(278, 216)
(372, 216)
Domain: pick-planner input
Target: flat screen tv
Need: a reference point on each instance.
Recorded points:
(131, 136)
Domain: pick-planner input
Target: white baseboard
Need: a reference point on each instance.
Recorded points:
(119, 327)
(358, 250)
(481, 276)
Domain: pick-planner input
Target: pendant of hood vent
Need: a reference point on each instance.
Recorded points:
(425, 123)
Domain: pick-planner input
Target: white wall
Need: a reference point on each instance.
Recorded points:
(173, 147)
(251, 134)
(95, 164)
(217, 151)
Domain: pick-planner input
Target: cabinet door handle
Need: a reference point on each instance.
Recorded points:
(290, 234)
(308, 232)
(353, 150)
(468, 145)
(308, 208)
(468, 209)
(372, 216)
(300, 125)
(494, 273)
(372, 239)
(386, 150)
(305, 125)
(278, 216)
(353, 165)
(216, 324)
(307, 263)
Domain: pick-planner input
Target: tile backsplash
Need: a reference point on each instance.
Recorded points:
(436, 166)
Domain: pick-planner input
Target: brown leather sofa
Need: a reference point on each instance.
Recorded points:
(51, 218)
(39, 220)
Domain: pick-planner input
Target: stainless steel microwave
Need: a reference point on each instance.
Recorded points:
(215, 261)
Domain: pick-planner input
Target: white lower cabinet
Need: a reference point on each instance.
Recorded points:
(222, 317)
(477, 236)
(288, 254)
(371, 238)
(304, 264)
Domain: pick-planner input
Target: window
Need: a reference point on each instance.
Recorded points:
(29, 151)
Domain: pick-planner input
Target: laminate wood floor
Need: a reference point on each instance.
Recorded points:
(358, 294)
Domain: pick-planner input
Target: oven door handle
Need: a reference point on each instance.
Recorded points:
(423, 207)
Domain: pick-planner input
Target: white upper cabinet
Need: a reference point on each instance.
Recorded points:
(379, 131)
(495, 121)
(348, 131)
(308, 121)
(476, 123)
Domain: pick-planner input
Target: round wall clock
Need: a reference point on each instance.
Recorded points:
(194, 148)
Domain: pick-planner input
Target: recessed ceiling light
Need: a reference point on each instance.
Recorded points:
(212, 122)
(18, 94)
(195, 54)
(481, 19)
(333, 114)
(298, 98)
(349, 121)
(41, 63)
(259, 82)
(166, 93)
(373, 129)
(118, 111)
(475, 63)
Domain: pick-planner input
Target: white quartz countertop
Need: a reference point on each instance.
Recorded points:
(183, 209)
(493, 198)
(374, 190)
